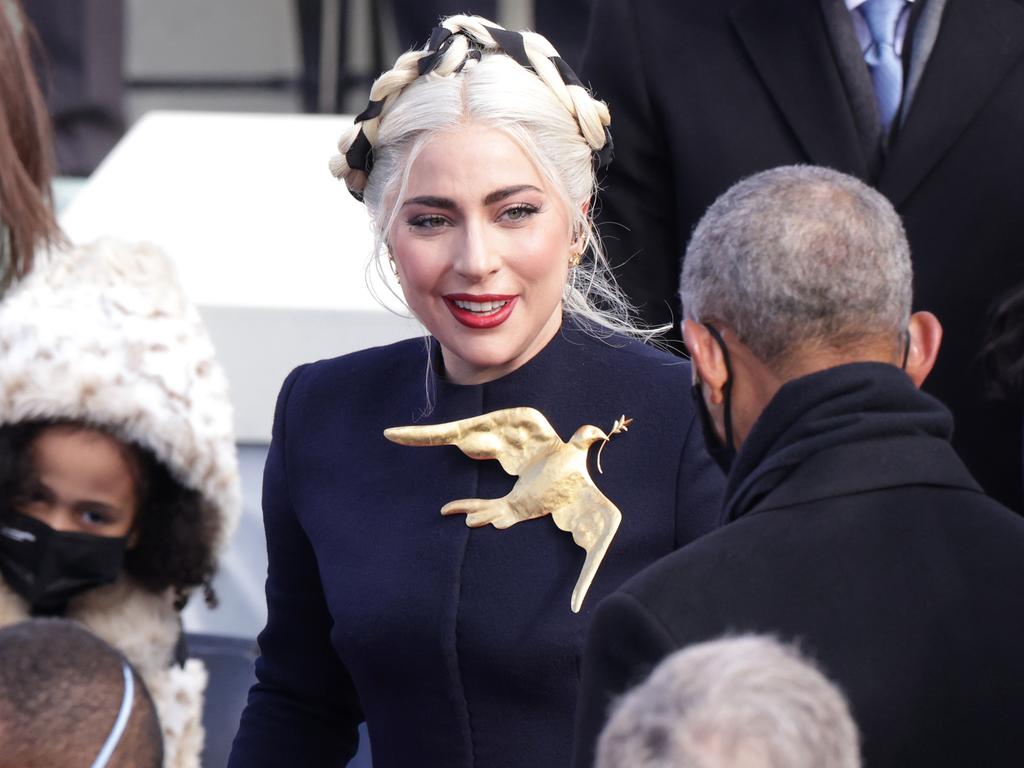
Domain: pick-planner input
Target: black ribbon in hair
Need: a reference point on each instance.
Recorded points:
(512, 44)
(440, 41)
(603, 156)
(472, 54)
(360, 157)
(373, 109)
(360, 154)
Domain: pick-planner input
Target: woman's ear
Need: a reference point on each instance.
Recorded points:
(707, 358)
(925, 339)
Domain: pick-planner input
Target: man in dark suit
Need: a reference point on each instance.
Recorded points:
(852, 527)
(706, 92)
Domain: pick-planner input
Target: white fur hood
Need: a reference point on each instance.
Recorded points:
(104, 334)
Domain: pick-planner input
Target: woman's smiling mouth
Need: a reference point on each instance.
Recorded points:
(486, 311)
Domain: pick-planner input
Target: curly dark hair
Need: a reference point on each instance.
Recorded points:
(176, 527)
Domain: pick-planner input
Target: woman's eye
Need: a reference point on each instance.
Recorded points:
(428, 221)
(519, 212)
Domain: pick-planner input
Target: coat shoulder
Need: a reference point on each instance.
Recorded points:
(628, 359)
(369, 372)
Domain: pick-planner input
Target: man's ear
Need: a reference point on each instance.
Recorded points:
(707, 358)
(925, 340)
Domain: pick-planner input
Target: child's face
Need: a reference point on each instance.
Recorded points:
(82, 481)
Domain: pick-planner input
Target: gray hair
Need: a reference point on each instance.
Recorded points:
(799, 255)
(741, 701)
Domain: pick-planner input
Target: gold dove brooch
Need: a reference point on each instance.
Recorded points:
(553, 477)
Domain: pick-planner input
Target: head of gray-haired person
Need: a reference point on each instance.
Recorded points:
(741, 702)
(792, 271)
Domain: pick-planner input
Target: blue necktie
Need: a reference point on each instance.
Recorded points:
(882, 60)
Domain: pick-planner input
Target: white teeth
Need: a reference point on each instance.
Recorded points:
(483, 307)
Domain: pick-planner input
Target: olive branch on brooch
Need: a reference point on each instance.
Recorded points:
(621, 425)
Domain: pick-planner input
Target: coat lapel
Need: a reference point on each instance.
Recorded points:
(790, 48)
(978, 41)
(856, 467)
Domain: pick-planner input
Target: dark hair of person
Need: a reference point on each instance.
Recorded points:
(1003, 351)
(176, 529)
(61, 688)
(27, 154)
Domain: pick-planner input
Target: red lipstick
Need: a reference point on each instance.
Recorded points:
(480, 311)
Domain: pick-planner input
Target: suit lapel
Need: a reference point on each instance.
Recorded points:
(790, 48)
(978, 41)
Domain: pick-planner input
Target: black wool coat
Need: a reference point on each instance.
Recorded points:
(705, 92)
(856, 532)
(456, 645)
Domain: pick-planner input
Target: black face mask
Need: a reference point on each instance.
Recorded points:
(723, 454)
(48, 567)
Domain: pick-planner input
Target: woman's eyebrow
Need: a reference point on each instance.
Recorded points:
(501, 194)
(431, 201)
(446, 203)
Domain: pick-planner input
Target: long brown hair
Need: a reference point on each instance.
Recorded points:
(26, 149)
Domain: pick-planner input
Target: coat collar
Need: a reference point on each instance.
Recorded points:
(844, 470)
(848, 429)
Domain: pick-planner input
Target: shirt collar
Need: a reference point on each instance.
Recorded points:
(854, 4)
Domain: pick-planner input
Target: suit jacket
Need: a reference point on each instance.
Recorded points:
(856, 532)
(705, 92)
(457, 645)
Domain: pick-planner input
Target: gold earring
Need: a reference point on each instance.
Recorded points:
(394, 266)
(576, 247)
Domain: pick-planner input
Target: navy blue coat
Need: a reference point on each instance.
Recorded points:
(855, 530)
(457, 645)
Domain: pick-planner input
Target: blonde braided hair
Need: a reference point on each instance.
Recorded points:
(473, 70)
(446, 55)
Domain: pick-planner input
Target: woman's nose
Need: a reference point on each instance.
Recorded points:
(478, 254)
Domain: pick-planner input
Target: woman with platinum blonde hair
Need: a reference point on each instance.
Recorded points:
(459, 644)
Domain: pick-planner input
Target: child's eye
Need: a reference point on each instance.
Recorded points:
(36, 494)
(94, 516)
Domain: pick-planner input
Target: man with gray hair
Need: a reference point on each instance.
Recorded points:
(851, 524)
(738, 702)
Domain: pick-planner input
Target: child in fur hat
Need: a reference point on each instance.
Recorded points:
(118, 472)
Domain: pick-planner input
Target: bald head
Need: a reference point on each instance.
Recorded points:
(62, 690)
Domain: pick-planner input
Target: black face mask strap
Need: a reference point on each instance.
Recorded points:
(906, 349)
(727, 388)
